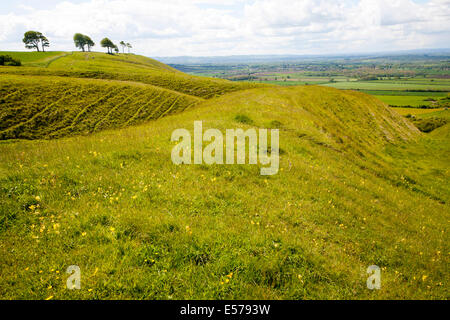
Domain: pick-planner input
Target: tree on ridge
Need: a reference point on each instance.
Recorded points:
(123, 45)
(89, 43)
(107, 43)
(32, 39)
(82, 40)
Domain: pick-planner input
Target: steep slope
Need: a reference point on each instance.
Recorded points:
(49, 107)
(349, 194)
(59, 97)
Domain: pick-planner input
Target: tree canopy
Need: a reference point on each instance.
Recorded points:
(82, 40)
(45, 43)
(107, 43)
(123, 45)
(32, 39)
(36, 40)
(89, 43)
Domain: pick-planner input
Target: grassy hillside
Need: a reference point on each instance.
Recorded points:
(131, 68)
(48, 107)
(358, 185)
(56, 94)
(95, 61)
(35, 59)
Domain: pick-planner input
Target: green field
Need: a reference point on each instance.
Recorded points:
(37, 59)
(444, 114)
(413, 101)
(424, 94)
(86, 179)
(409, 84)
(293, 83)
(391, 85)
(407, 93)
(415, 111)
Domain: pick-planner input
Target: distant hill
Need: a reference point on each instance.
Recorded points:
(411, 55)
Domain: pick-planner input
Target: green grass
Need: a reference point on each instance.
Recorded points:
(126, 67)
(37, 59)
(409, 100)
(49, 107)
(414, 111)
(291, 82)
(390, 85)
(425, 94)
(358, 185)
(444, 114)
(63, 99)
(94, 61)
(410, 92)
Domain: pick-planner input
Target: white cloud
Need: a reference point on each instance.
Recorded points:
(218, 27)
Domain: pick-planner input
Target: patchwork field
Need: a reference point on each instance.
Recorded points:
(392, 85)
(408, 82)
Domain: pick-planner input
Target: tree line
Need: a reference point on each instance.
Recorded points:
(36, 40)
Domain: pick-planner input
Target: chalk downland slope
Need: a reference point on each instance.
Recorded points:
(34, 107)
(35, 59)
(132, 68)
(59, 97)
(358, 185)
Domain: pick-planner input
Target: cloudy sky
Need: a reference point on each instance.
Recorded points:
(230, 27)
